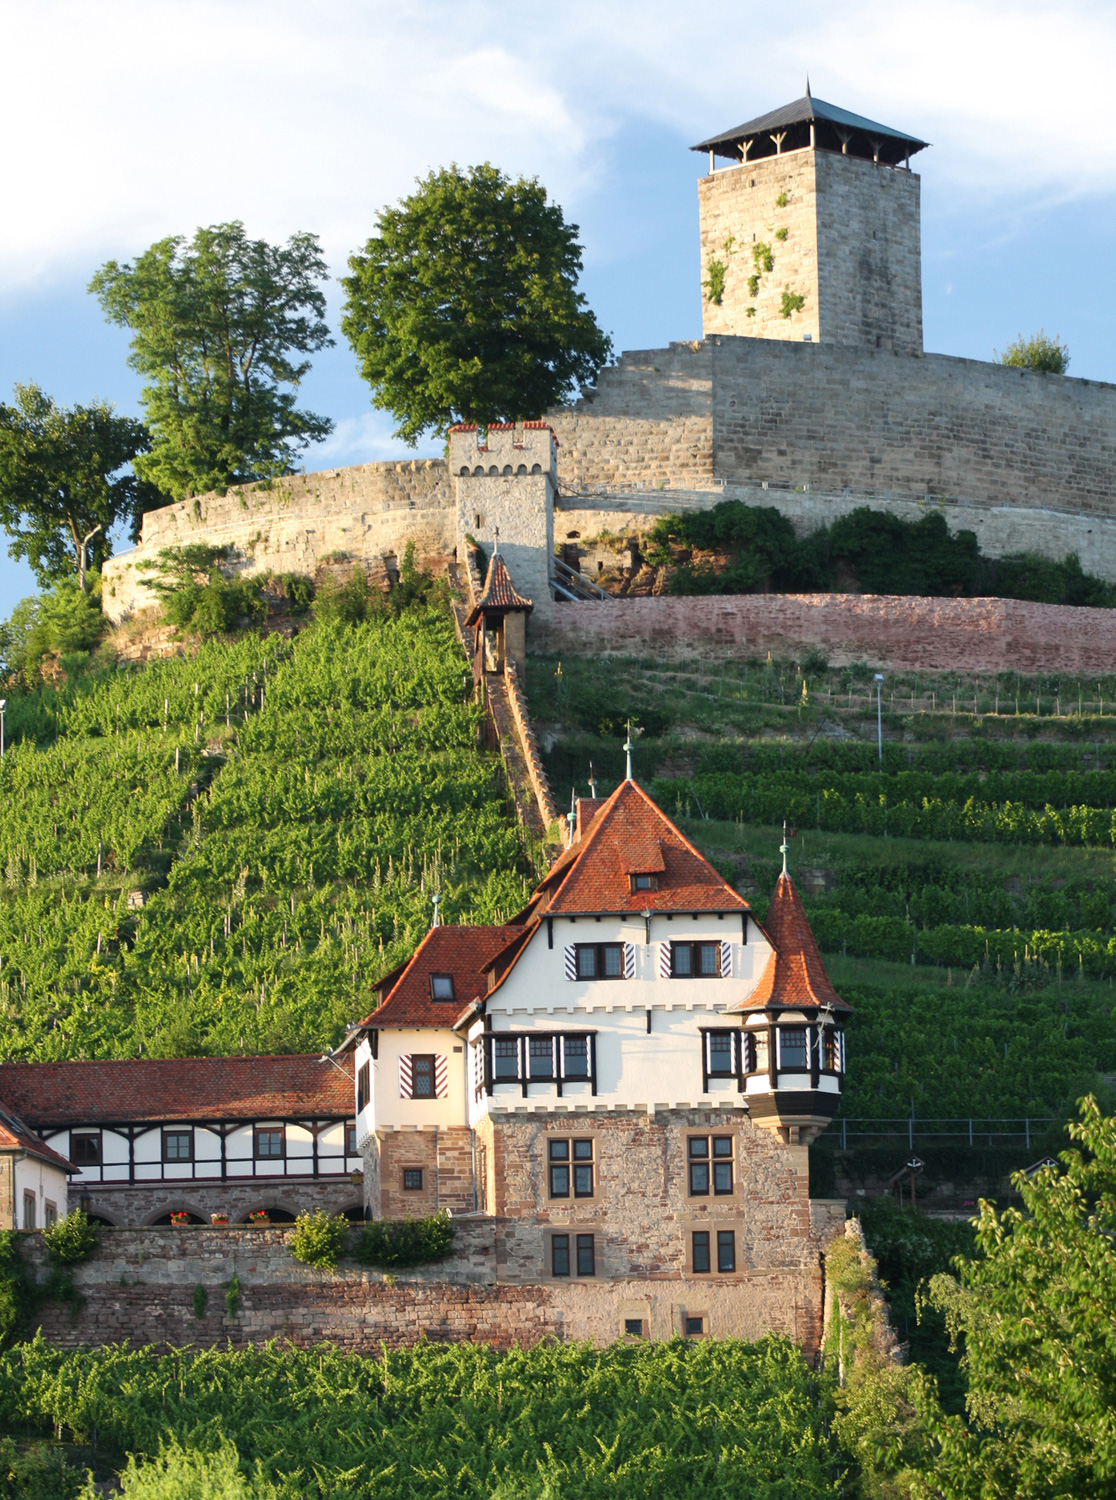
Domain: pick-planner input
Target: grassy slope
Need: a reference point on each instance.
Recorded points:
(324, 791)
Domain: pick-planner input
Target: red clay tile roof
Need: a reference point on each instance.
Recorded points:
(175, 1088)
(498, 593)
(631, 835)
(16, 1136)
(795, 974)
(460, 952)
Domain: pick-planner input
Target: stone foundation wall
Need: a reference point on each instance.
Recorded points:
(140, 1286)
(134, 1204)
(971, 635)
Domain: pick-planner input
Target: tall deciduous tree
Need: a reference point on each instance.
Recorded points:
(464, 307)
(215, 325)
(1037, 1314)
(62, 488)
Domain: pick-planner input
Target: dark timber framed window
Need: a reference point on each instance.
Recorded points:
(269, 1142)
(695, 960)
(85, 1148)
(412, 1179)
(441, 986)
(794, 1049)
(552, 1057)
(178, 1145)
(573, 1254)
(709, 1166)
(350, 1141)
(363, 1087)
(423, 1085)
(600, 960)
(643, 883)
(726, 1250)
(699, 1252)
(570, 1167)
(723, 1055)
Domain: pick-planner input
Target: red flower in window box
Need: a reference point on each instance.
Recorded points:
(219, 1221)
(260, 1218)
(180, 1219)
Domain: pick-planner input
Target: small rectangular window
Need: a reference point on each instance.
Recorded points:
(722, 1060)
(699, 1166)
(364, 1087)
(695, 960)
(505, 1059)
(693, 1327)
(29, 1210)
(600, 960)
(831, 1050)
(583, 1169)
(422, 1075)
(540, 1057)
(50, 1216)
(351, 1141)
(644, 883)
(412, 1179)
(558, 1168)
(586, 1256)
(722, 1165)
(178, 1145)
(441, 986)
(700, 1251)
(747, 1052)
(792, 1048)
(726, 1250)
(560, 1255)
(575, 1056)
(633, 1328)
(85, 1150)
(269, 1143)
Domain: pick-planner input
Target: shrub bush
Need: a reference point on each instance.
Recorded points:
(180, 1473)
(37, 1473)
(319, 1238)
(72, 1239)
(407, 1242)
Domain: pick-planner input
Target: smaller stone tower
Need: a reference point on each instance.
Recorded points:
(812, 233)
(506, 479)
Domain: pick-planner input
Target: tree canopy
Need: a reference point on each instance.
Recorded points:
(1037, 353)
(62, 488)
(1037, 1315)
(464, 306)
(215, 324)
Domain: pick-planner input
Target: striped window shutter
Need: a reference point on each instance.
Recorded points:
(726, 960)
(571, 961)
(664, 960)
(406, 1090)
(441, 1076)
(629, 960)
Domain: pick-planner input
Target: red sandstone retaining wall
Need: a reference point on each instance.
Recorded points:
(972, 635)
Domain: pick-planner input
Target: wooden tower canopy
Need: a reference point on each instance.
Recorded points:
(813, 123)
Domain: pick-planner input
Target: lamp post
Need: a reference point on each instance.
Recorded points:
(3, 706)
(879, 713)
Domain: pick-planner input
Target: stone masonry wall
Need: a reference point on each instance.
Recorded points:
(738, 209)
(134, 1204)
(140, 1286)
(971, 635)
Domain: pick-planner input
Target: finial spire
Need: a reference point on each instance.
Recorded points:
(437, 900)
(496, 537)
(628, 753)
(784, 846)
(571, 816)
(808, 86)
(592, 782)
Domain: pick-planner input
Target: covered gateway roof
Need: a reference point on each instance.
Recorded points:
(795, 974)
(163, 1090)
(836, 129)
(498, 594)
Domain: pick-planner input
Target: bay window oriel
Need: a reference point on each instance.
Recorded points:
(553, 1057)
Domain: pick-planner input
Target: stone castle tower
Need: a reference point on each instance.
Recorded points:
(812, 234)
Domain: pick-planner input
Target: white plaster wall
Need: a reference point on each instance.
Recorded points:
(389, 1111)
(47, 1182)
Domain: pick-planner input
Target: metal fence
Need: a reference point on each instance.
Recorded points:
(910, 1132)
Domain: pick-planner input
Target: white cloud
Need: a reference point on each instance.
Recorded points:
(130, 119)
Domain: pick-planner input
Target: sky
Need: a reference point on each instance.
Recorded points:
(129, 120)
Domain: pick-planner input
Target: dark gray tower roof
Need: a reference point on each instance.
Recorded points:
(834, 130)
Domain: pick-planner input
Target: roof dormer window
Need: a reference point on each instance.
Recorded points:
(644, 882)
(441, 986)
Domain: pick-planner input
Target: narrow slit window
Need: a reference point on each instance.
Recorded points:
(586, 1255)
(700, 1251)
(560, 1255)
(726, 1250)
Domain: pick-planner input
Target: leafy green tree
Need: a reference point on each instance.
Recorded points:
(66, 621)
(215, 324)
(62, 488)
(1037, 353)
(196, 593)
(464, 306)
(1037, 1316)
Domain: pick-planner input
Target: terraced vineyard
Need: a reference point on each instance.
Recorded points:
(218, 853)
(963, 892)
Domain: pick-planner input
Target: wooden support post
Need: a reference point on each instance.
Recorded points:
(778, 137)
